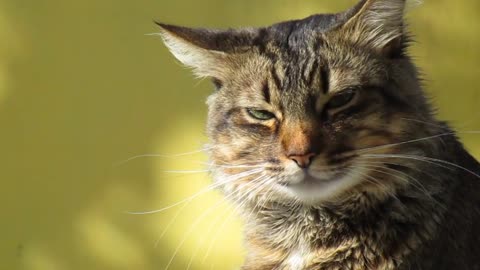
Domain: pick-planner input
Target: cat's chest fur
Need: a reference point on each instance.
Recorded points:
(310, 239)
(351, 254)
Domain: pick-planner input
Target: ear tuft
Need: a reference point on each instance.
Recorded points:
(378, 24)
(193, 48)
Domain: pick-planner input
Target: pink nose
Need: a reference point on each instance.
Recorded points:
(303, 161)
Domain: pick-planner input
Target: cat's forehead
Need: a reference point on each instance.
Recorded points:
(327, 69)
(300, 77)
(292, 33)
(301, 56)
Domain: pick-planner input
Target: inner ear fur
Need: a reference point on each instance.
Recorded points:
(378, 24)
(210, 53)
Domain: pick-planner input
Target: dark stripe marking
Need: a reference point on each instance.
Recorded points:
(325, 77)
(266, 92)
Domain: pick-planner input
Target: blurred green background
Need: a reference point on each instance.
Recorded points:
(83, 88)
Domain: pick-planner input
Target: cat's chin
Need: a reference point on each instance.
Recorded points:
(310, 189)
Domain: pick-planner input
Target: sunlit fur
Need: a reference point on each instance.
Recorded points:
(382, 191)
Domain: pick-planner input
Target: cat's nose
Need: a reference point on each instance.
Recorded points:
(303, 161)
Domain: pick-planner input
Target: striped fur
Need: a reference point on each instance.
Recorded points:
(390, 185)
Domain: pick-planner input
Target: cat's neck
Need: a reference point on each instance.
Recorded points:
(389, 227)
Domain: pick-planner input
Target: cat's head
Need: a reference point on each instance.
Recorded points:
(297, 103)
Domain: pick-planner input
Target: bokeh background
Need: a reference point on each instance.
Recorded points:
(84, 90)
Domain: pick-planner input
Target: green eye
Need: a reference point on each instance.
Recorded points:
(342, 99)
(260, 114)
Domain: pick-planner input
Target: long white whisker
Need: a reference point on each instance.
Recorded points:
(375, 181)
(420, 187)
(209, 188)
(173, 220)
(215, 238)
(259, 185)
(187, 171)
(237, 166)
(373, 156)
(405, 142)
(120, 163)
(425, 122)
(210, 229)
(177, 214)
(192, 227)
(369, 149)
(433, 124)
(425, 159)
(385, 162)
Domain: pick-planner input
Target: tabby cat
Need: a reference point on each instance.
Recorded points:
(322, 135)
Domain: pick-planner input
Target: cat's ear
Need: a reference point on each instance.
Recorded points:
(378, 24)
(210, 53)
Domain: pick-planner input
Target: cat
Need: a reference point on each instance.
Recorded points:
(322, 135)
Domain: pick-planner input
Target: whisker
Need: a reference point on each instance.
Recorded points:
(375, 181)
(237, 166)
(196, 195)
(172, 221)
(385, 162)
(369, 149)
(215, 238)
(229, 217)
(123, 162)
(425, 122)
(397, 171)
(463, 125)
(425, 159)
(187, 171)
(209, 231)
(240, 165)
(420, 187)
(192, 227)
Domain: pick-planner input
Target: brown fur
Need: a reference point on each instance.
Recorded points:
(390, 185)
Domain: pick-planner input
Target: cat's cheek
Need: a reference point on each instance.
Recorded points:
(222, 154)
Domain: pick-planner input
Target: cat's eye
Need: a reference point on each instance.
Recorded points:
(342, 99)
(260, 114)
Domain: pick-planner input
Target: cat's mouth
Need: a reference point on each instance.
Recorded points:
(311, 187)
(310, 181)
